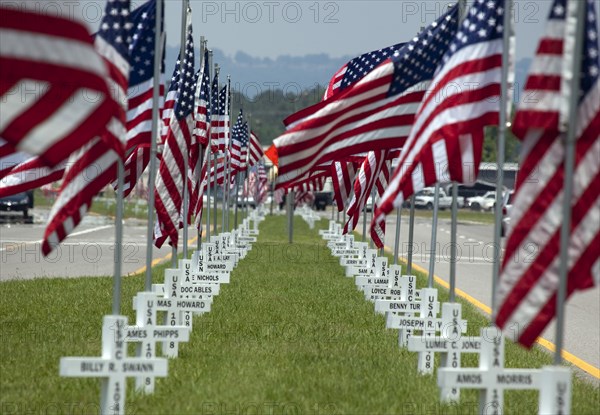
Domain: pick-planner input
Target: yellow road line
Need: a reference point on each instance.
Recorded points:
(569, 357)
(160, 260)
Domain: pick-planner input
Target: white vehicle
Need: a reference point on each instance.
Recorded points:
(424, 199)
(485, 202)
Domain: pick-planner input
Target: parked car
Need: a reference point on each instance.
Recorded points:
(424, 199)
(485, 202)
(508, 200)
(20, 202)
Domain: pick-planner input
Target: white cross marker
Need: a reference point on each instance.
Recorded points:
(114, 367)
(491, 378)
(146, 333)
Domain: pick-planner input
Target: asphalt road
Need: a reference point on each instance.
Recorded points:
(89, 251)
(475, 254)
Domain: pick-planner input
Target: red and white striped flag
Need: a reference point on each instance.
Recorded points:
(447, 136)
(378, 228)
(93, 166)
(363, 185)
(342, 175)
(255, 151)
(373, 114)
(526, 292)
(30, 174)
(172, 171)
(239, 145)
(54, 56)
(263, 184)
(140, 93)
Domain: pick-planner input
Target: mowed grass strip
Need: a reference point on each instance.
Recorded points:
(289, 335)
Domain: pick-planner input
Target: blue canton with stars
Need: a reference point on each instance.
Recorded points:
(237, 132)
(360, 66)
(186, 84)
(214, 93)
(483, 23)
(591, 62)
(116, 28)
(417, 61)
(141, 49)
(222, 97)
(204, 87)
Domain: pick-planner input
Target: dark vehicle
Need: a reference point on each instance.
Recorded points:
(323, 199)
(21, 202)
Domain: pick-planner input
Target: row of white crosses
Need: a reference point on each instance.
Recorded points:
(412, 311)
(187, 291)
(308, 214)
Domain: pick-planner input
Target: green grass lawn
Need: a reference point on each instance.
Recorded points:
(289, 335)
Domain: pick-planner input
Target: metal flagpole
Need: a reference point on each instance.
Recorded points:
(364, 230)
(235, 209)
(290, 203)
(462, 10)
(372, 213)
(502, 124)
(397, 237)
(201, 158)
(116, 306)
(227, 172)
(434, 223)
(209, 155)
(215, 160)
(158, 43)
(411, 234)
(572, 76)
(246, 205)
(184, 12)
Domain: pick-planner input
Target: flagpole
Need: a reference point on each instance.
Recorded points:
(215, 159)
(116, 305)
(290, 203)
(462, 11)
(235, 208)
(572, 76)
(502, 124)
(248, 175)
(201, 155)
(372, 213)
(158, 43)
(227, 172)
(434, 225)
(210, 155)
(184, 12)
(411, 234)
(397, 236)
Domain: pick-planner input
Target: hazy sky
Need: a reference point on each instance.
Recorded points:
(272, 28)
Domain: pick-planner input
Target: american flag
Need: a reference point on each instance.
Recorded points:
(526, 292)
(375, 113)
(202, 108)
(56, 57)
(363, 185)
(378, 228)
(447, 136)
(239, 144)
(140, 92)
(94, 166)
(255, 151)
(219, 123)
(171, 172)
(357, 68)
(30, 174)
(201, 137)
(342, 175)
(349, 74)
(263, 184)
